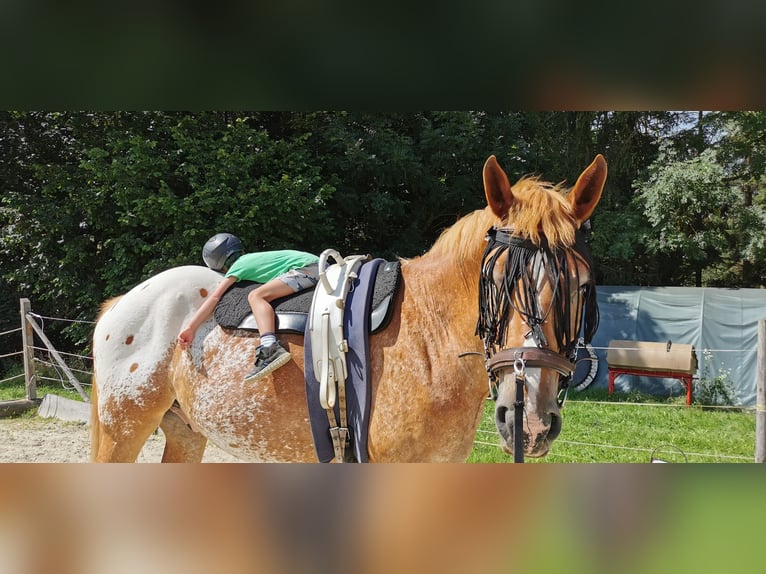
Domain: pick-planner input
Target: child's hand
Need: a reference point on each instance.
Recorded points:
(185, 338)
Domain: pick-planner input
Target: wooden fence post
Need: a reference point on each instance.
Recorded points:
(56, 357)
(27, 337)
(760, 396)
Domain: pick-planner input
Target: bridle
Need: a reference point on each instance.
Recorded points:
(527, 266)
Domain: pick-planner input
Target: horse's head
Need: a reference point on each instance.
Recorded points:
(536, 293)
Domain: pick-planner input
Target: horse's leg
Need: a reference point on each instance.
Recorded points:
(112, 441)
(182, 444)
(122, 440)
(121, 425)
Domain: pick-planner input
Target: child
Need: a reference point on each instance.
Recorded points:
(281, 272)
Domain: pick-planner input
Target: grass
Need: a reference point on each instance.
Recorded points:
(630, 428)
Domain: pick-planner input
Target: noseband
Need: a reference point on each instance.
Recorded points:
(527, 266)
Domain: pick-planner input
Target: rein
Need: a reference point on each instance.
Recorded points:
(526, 267)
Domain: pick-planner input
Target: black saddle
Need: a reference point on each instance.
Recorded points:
(233, 311)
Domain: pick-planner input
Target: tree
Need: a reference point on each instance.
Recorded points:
(743, 150)
(695, 214)
(401, 178)
(112, 198)
(704, 197)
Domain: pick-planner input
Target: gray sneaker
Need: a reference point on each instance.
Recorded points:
(267, 360)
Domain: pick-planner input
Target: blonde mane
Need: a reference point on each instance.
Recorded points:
(459, 240)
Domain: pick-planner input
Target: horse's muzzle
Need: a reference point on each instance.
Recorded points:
(539, 433)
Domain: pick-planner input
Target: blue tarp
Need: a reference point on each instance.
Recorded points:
(722, 324)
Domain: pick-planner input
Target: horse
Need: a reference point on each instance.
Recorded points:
(428, 382)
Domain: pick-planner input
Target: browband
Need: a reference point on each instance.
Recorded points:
(505, 237)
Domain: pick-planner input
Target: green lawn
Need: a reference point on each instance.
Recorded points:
(627, 428)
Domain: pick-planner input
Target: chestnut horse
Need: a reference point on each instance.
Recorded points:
(428, 387)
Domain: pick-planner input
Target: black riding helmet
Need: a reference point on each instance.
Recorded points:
(221, 251)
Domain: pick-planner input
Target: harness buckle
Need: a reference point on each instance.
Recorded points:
(536, 331)
(518, 366)
(340, 441)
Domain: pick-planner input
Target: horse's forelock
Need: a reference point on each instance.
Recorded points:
(541, 209)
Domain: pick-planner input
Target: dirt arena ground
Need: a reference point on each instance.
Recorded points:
(38, 439)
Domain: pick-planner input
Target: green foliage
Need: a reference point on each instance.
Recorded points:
(132, 194)
(689, 207)
(702, 204)
(401, 178)
(713, 388)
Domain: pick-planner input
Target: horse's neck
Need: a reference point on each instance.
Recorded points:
(445, 291)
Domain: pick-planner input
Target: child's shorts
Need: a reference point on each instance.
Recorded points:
(302, 278)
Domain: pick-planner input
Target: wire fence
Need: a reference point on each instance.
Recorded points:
(78, 363)
(50, 365)
(486, 435)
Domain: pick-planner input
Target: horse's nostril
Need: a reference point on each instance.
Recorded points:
(504, 422)
(555, 427)
(501, 413)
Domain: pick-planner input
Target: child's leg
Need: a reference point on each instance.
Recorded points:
(260, 303)
(270, 355)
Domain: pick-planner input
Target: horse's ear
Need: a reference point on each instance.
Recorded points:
(497, 188)
(586, 193)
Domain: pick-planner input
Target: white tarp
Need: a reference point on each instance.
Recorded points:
(722, 324)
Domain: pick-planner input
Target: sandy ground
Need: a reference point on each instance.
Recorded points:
(38, 439)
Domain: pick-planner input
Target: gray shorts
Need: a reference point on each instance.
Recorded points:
(301, 279)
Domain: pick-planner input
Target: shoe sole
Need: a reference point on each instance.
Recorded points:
(271, 367)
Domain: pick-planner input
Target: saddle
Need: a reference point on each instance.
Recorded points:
(292, 312)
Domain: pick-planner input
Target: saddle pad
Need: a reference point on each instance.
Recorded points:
(233, 311)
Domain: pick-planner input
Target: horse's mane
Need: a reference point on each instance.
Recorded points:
(539, 208)
(459, 240)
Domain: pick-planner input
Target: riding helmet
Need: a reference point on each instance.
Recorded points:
(219, 249)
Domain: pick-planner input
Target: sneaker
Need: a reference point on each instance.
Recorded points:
(268, 359)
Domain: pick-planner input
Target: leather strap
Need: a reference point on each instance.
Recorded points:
(532, 357)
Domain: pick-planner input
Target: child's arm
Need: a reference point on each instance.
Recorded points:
(186, 336)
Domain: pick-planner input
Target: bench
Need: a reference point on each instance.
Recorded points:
(649, 359)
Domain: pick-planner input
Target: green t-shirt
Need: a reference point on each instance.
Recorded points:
(263, 266)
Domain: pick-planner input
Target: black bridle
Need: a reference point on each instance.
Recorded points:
(527, 266)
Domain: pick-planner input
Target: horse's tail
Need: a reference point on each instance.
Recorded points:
(95, 422)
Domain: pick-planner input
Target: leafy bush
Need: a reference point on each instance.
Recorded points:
(713, 389)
